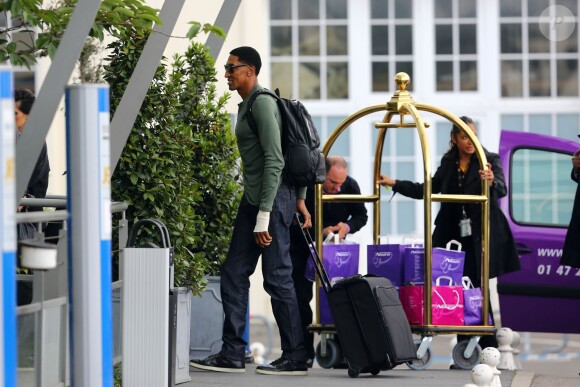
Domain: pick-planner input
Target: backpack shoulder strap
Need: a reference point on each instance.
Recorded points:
(249, 115)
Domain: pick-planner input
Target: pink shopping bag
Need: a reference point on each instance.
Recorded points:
(446, 304)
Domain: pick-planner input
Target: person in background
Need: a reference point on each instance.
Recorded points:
(261, 228)
(571, 251)
(337, 218)
(38, 183)
(459, 172)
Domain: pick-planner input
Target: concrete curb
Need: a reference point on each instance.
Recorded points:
(522, 379)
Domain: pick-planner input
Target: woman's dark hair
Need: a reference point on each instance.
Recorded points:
(456, 130)
(24, 98)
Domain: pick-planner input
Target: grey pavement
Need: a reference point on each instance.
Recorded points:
(400, 376)
(547, 363)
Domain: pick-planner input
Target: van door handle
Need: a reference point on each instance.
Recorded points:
(524, 250)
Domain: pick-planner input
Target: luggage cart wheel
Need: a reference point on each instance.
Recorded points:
(422, 363)
(459, 358)
(330, 357)
(353, 373)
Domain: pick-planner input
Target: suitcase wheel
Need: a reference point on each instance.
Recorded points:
(422, 363)
(354, 373)
(332, 356)
(459, 355)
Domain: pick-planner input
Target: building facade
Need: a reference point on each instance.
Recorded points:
(508, 64)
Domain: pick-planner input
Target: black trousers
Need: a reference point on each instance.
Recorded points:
(304, 294)
(277, 269)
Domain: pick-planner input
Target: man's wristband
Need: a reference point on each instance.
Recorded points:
(262, 221)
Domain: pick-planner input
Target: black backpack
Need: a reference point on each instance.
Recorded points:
(304, 162)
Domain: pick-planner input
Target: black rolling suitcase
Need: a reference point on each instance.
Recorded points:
(370, 321)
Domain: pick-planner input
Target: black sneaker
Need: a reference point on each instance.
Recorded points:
(219, 363)
(283, 367)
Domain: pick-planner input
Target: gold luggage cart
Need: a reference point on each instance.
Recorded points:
(466, 353)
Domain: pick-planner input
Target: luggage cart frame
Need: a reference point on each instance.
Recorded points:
(465, 354)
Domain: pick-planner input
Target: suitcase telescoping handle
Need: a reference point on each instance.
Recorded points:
(315, 257)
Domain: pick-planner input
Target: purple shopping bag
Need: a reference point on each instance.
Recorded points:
(386, 261)
(340, 261)
(414, 264)
(324, 308)
(448, 263)
(473, 300)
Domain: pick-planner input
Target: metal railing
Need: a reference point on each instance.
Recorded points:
(43, 358)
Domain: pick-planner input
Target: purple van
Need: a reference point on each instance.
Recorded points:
(543, 296)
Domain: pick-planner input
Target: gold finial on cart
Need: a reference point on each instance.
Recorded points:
(401, 96)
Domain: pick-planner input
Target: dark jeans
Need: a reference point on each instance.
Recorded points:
(304, 295)
(276, 269)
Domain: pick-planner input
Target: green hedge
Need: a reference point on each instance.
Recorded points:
(180, 164)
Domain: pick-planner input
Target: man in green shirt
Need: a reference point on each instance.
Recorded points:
(261, 228)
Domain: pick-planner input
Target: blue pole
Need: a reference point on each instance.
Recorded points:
(8, 347)
(89, 235)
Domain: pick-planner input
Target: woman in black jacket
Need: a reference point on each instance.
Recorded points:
(460, 173)
(571, 251)
(38, 183)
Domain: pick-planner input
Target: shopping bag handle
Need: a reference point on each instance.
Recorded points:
(467, 284)
(453, 242)
(438, 280)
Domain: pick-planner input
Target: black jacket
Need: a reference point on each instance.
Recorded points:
(503, 255)
(38, 183)
(571, 252)
(353, 214)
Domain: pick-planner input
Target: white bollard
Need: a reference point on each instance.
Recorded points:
(505, 337)
(482, 375)
(516, 350)
(491, 357)
(258, 350)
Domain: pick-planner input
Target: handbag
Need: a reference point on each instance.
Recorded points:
(340, 259)
(414, 264)
(26, 231)
(448, 263)
(386, 260)
(446, 304)
(473, 300)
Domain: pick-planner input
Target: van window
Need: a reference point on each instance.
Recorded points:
(542, 190)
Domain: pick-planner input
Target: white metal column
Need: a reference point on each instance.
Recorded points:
(8, 348)
(89, 235)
